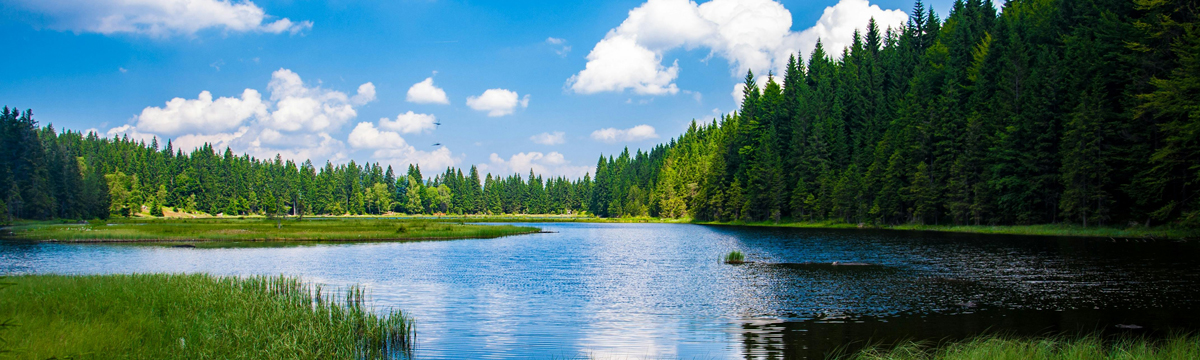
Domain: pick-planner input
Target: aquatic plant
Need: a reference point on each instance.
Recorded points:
(735, 257)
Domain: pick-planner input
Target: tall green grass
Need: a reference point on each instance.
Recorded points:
(351, 229)
(165, 316)
(1051, 348)
(735, 257)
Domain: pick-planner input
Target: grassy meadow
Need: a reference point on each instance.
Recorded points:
(257, 229)
(165, 316)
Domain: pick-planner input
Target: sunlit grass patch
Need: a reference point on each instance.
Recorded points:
(320, 229)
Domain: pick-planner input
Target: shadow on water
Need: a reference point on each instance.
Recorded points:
(821, 338)
(942, 287)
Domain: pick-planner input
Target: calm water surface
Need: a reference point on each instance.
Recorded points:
(633, 291)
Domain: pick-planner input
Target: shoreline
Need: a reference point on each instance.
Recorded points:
(255, 231)
(1139, 232)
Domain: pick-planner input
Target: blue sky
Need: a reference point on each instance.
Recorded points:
(334, 80)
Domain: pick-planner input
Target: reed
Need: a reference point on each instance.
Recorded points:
(735, 257)
(175, 316)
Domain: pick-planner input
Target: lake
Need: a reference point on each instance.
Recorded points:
(660, 290)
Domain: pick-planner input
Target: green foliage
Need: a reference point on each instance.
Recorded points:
(196, 316)
(735, 257)
(260, 229)
(1051, 348)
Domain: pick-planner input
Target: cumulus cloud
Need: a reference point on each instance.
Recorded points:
(552, 164)
(614, 135)
(203, 114)
(410, 122)
(425, 92)
(365, 135)
(391, 149)
(299, 107)
(835, 28)
(750, 34)
(159, 17)
(546, 138)
(295, 121)
(497, 102)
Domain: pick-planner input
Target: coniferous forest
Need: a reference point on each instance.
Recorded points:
(1045, 111)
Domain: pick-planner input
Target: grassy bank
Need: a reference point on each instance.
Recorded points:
(1138, 232)
(1130, 232)
(329, 229)
(999, 348)
(192, 316)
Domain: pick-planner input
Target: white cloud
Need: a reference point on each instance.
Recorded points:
(295, 121)
(425, 92)
(636, 133)
(159, 17)
(616, 64)
(546, 138)
(552, 164)
(202, 115)
(836, 26)
(410, 122)
(497, 102)
(561, 47)
(739, 92)
(440, 158)
(390, 148)
(366, 94)
(365, 135)
(315, 109)
(750, 34)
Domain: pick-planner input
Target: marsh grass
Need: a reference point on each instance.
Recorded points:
(350, 229)
(165, 316)
(735, 257)
(1050, 348)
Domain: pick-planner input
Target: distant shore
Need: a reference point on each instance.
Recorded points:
(402, 227)
(136, 230)
(1130, 232)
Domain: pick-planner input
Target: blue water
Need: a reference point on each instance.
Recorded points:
(617, 291)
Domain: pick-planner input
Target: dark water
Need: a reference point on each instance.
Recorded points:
(658, 290)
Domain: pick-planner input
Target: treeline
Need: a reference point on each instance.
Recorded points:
(1050, 111)
(45, 174)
